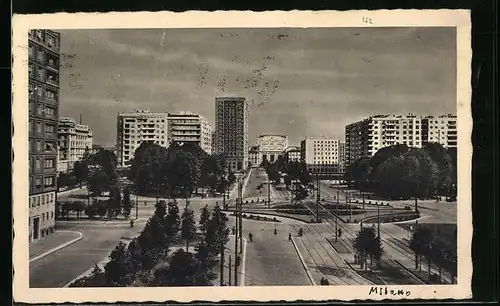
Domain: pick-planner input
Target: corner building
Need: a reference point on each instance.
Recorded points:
(322, 156)
(138, 127)
(231, 132)
(43, 83)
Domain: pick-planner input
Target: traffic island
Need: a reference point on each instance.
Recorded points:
(52, 243)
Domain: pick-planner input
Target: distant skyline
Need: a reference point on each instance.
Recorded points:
(299, 82)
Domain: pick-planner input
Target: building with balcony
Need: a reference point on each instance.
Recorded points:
(441, 129)
(74, 140)
(43, 83)
(321, 155)
(231, 131)
(187, 127)
(136, 128)
(364, 138)
(271, 146)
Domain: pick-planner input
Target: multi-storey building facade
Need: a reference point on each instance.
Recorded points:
(364, 138)
(342, 157)
(442, 129)
(253, 156)
(74, 140)
(231, 133)
(321, 155)
(188, 127)
(138, 127)
(271, 146)
(43, 74)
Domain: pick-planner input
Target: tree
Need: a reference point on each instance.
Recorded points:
(188, 227)
(217, 234)
(205, 264)
(444, 163)
(420, 243)
(78, 207)
(231, 178)
(172, 222)
(204, 219)
(127, 203)
(97, 182)
(366, 245)
(115, 202)
(421, 173)
(97, 278)
(181, 271)
(287, 180)
(118, 269)
(81, 172)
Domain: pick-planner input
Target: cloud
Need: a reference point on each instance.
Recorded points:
(303, 82)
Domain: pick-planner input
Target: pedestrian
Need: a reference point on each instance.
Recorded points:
(275, 232)
(289, 237)
(234, 230)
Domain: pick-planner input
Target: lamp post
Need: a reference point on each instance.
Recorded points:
(337, 216)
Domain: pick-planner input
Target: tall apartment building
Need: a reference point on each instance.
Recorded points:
(321, 155)
(43, 67)
(341, 157)
(441, 129)
(231, 133)
(364, 138)
(271, 146)
(74, 140)
(188, 127)
(135, 128)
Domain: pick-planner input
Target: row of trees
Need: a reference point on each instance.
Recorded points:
(401, 172)
(426, 246)
(177, 171)
(146, 260)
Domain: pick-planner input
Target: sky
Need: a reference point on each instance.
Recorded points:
(303, 82)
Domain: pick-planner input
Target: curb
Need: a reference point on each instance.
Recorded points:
(59, 246)
(100, 264)
(303, 263)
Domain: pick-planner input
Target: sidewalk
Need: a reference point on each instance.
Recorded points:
(51, 242)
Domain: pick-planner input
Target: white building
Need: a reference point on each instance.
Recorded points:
(74, 140)
(135, 128)
(292, 154)
(231, 132)
(321, 155)
(188, 127)
(271, 146)
(364, 138)
(442, 129)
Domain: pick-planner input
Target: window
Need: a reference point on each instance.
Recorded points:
(39, 91)
(31, 53)
(38, 146)
(49, 163)
(40, 56)
(49, 128)
(39, 35)
(38, 201)
(51, 41)
(38, 163)
(48, 181)
(40, 74)
(31, 71)
(50, 94)
(38, 182)
(50, 111)
(39, 109)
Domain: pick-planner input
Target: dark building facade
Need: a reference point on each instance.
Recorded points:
(231, 131)
(43, 65)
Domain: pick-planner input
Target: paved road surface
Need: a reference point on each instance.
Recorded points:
(271, 260)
